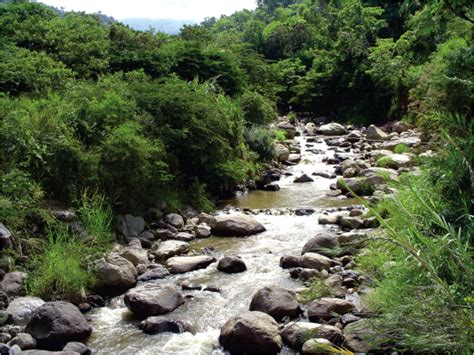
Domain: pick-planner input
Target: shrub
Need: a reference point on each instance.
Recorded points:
(280, 135)
(260, 141)
(133, 168)
(257, 109)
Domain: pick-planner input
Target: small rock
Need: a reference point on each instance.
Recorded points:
(168, 249)
(22, 309)
(156, 273)
(325, 308)
(231, 265)
(24, 340)
(237, 226)
(376, 134)
(12, 283)
(351, 222)
(289, 261)
(320, 244)
(156, 325)
(77, 347)
(315, 261)
(303, 179)
(316, 346)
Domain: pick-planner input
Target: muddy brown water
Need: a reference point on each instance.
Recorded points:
(116, 332)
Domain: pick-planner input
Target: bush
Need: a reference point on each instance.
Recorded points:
(260, 141)
(133, 168)
(257, 109)
(401, 148)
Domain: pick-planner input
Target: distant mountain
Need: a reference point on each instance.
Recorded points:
(171, 26)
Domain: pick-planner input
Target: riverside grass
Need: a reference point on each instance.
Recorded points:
(60, 268)
(421, 265)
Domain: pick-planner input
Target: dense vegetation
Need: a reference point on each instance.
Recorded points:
(142, 118)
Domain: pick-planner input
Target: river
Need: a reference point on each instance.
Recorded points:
(114, 330)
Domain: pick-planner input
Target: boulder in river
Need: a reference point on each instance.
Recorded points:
(160, 324)
(322, 244)
(325, 308)
(271, 187)
(303, 178)
(350, 185)
(77, 347)
(56, 323)
(332, 129)
(231, 265)
(325, 174)
(153, 301)
(202, 231)
(289, 261)
(295, 334)
(290, 130)
(237, 226)
(115, 275)
(22, 309)
(251, 333)
(167, 249)
(316, 346)
(182, 264)
(277, 302)
(158, 272)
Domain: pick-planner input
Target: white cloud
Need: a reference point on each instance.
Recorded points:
(175, 9)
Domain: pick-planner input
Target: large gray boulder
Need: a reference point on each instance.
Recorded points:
(22, 309)
(131, 226)
(56, 323)
(325, 308)
(182, 264)
(332, 129)
(153, 301)
(282, 153)
(136, 255)
(13, 283)
(251, 333)
(168, 249)
(115, 275)
(175, 220)
(237, 226)
(315, 261)
(277, 302)
(321, 244)
(376, 134)
(295, 334)
(352, 184)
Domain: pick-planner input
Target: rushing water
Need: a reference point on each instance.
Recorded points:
(116, 332)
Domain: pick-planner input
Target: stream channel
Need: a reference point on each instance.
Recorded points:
(115, 331)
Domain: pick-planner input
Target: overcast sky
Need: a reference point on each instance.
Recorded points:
(175, 9)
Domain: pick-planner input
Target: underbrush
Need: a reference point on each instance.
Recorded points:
(60, 268)
(422, 264)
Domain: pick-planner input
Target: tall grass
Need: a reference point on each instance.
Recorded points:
(422, 265)
(60, 268)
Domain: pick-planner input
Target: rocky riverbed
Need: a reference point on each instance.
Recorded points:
(235, 281)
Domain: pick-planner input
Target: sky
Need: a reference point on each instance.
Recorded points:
(159, 9)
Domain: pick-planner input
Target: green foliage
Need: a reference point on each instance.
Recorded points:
(317, 289)
(59, 269)
(401, 148)
(257, 109)
(133, 167)
(22, 70)
(422, 264)
(280, 135)
(260, 141)
(386, 162)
